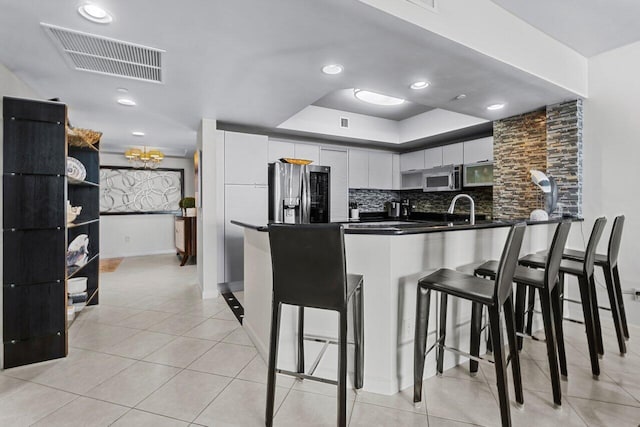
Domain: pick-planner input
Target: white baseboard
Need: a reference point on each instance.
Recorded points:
(141, 253)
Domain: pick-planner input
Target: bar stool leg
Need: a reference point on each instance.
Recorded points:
(585, 296)
(442, 333)
(560, 287)
(552, 356)
(423, 304)
(530, 307)
(615, 310)
(509, 317)
(500, 364)
(556, 306)
(342, 370)
(359, 338)
(476, 328)
(623, 314)
(301, 340)
(273, 358)
(597, 328)
(521, 291)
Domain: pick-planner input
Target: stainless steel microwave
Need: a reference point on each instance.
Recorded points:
(446, 178)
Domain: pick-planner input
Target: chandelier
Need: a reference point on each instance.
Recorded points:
(144, 159)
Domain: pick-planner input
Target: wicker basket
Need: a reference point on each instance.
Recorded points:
(78, 137)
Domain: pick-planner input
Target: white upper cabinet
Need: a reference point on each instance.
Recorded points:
(380, 170)
(433, 157)
(453, 154)
(358, 169)
(280, 149)
(395, 167)
(245, 158)
(308, 152)
(478, 150)
(412, 161)
(337, 160)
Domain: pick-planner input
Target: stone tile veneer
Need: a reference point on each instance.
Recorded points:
(564, 153)
(519, 145)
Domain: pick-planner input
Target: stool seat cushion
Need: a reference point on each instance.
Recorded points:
(523, 275)
(567, 266)
(575, 255)
(353, 281)
(533, 261)
(460, 285)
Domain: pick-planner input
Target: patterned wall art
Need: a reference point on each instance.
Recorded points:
(126, 190)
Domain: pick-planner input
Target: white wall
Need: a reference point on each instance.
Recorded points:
(434, 122)
(133, 235)
(10, 85)
(611, 154)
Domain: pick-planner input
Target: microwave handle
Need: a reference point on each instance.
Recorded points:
(451, 180)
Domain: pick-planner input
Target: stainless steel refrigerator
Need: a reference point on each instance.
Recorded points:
(298, 194)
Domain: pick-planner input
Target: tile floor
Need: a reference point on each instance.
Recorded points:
(154, 354)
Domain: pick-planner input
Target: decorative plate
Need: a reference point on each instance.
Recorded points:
(78, 252)
(75, 170)
(296, 161)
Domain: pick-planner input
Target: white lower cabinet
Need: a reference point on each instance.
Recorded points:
(339, 183)
(246, 203)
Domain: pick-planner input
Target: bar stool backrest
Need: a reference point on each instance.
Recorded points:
(554, 259)
(614, 240)
(508, 263)
(309, 267)
(592, 245)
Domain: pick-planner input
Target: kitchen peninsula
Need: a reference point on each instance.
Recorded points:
(392, 256)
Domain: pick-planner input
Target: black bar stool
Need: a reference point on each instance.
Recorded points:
(545, 281)
(309, 270)
(494, 295)
(583, 271)
(609, 265)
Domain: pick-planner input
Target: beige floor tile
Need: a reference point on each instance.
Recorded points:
(134, 384)
(77, 373)
(185, 395)
(213, 329)
(225, 315)
(402, 400)
(314, 409)
(461, 372)
(256, 371)
(141, 344)
(29, 403)
(136, 418)
(601, 414)
(371, 415)
(100, 337)
(442, 422)
(178, 324)
(533, 378)
(83, 411)
(180, 352)
(239, 336)
(224, 359)
(111, 315)
(461, 400)
(242, 403)
(144, 319)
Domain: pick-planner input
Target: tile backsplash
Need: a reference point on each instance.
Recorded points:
(374, 200)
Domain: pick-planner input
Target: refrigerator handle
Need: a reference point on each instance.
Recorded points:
(306, 196)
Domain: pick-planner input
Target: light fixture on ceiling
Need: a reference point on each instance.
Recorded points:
(422, 84)
(127, 102)
(376, 98)
(147, 159)
(137, 133)
(122, 90)
(95, 13)
(460, 97)
(494, 107)
(332, 69)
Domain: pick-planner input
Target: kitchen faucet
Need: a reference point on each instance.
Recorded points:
(472, 214)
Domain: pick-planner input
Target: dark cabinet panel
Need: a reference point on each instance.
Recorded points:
(36, 110)
(33, 201)
(34, 147)
(34, 350)
(89, 159)
(33, 310)
(33, 256)
(87, 197)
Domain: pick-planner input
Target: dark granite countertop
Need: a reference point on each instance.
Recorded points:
(403, 227)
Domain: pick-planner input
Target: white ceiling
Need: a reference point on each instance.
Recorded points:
(252, 62)
(589, 27)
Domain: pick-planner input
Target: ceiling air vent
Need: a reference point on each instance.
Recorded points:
(88, 52)
(344, 122)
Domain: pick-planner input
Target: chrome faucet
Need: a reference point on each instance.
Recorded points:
(472, 214)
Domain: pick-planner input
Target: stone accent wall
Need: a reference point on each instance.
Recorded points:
(564, 153)
(519, 145)
(374, 200)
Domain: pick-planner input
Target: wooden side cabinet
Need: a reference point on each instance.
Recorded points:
(185, 232)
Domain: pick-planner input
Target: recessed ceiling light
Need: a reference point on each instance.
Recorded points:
(419, 85)
(376, 98)
(122, 90)
(493, 107)
(95, 13)
(461, 96)
(126, 101)
(332, 69)
(137, 133)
